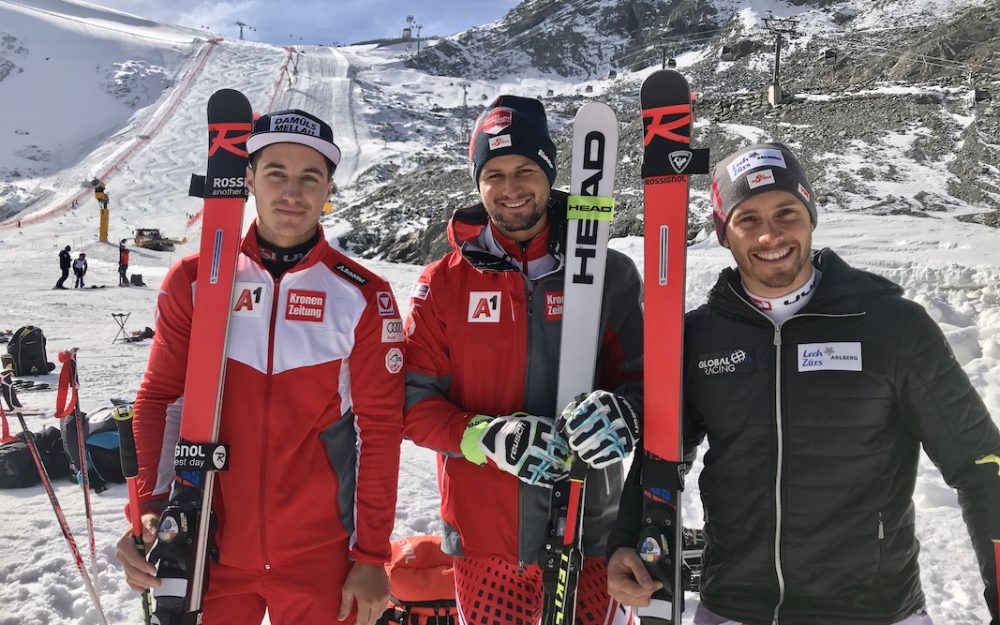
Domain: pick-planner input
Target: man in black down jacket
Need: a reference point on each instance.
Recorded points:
(816, 384)
(64, 264)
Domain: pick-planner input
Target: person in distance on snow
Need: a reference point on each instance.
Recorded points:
(482, 362)
(79, 270)
(312, 405)
(65, 262)
(122, 264)
(816, 385)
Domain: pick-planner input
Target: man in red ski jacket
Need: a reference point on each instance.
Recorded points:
(483, 340)
(312, 405)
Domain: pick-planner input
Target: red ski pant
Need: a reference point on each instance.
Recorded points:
(304, 591)
(492, 591)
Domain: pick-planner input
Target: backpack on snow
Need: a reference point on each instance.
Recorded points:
(421, 584)
(17, 467)
(101, 440)
(136, 279)
(26, 352)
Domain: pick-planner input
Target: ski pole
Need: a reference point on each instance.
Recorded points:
(130, 470)
(10, 397)
(68, 378)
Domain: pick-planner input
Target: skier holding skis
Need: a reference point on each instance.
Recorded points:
(816, 385)
(312, 405)
(483, 340)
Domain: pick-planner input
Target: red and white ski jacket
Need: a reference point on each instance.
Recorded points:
(312, 407)
(483, 338)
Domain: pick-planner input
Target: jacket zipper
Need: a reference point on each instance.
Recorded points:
(526, 282)
(267, 420)
(778, 472)
(780, 433)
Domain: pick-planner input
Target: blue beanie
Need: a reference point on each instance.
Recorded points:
(512, 125)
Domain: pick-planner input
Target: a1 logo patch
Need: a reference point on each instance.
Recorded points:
(247, 299)
(484, 307)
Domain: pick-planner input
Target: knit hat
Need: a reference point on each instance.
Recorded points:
(757, 169)
(512, 125)
(294, 126)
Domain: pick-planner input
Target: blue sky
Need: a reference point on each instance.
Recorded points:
(317, 21)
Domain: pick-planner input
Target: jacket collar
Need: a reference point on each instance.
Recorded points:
(470, 236)
(251, 249)
(843, 289)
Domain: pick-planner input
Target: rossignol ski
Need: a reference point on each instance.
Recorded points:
(667, 161)
(7, 390)
(589, 211)
(181, 549)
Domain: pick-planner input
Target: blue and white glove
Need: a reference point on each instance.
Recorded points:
(602, 428)
(521, 444)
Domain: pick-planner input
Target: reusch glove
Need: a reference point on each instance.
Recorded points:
(521, 444)
(602, 429)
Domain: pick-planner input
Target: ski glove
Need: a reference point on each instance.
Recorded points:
(602, 428)
(521, 444)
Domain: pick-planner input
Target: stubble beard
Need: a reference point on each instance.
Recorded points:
(782, 280)
(520, 223)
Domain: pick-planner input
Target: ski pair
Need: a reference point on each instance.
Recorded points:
(668, 159)
(9, 393)
(589, 211)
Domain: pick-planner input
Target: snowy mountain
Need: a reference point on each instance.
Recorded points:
(861, 79)
(904, 171)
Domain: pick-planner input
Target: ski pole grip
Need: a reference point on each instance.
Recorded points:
(126, 438)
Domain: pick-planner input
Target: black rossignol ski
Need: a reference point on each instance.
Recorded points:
(667, 161)
(14, 405)
(181, 549)
(589, 210)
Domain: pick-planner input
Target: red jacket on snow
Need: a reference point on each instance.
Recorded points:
(483, 338)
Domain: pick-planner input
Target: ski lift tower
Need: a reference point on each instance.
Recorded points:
(242, 25)
(778, 26)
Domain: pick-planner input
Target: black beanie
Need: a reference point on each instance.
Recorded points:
(512, 125)
(757, 169)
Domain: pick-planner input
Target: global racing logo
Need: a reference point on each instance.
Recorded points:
(738, 360)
